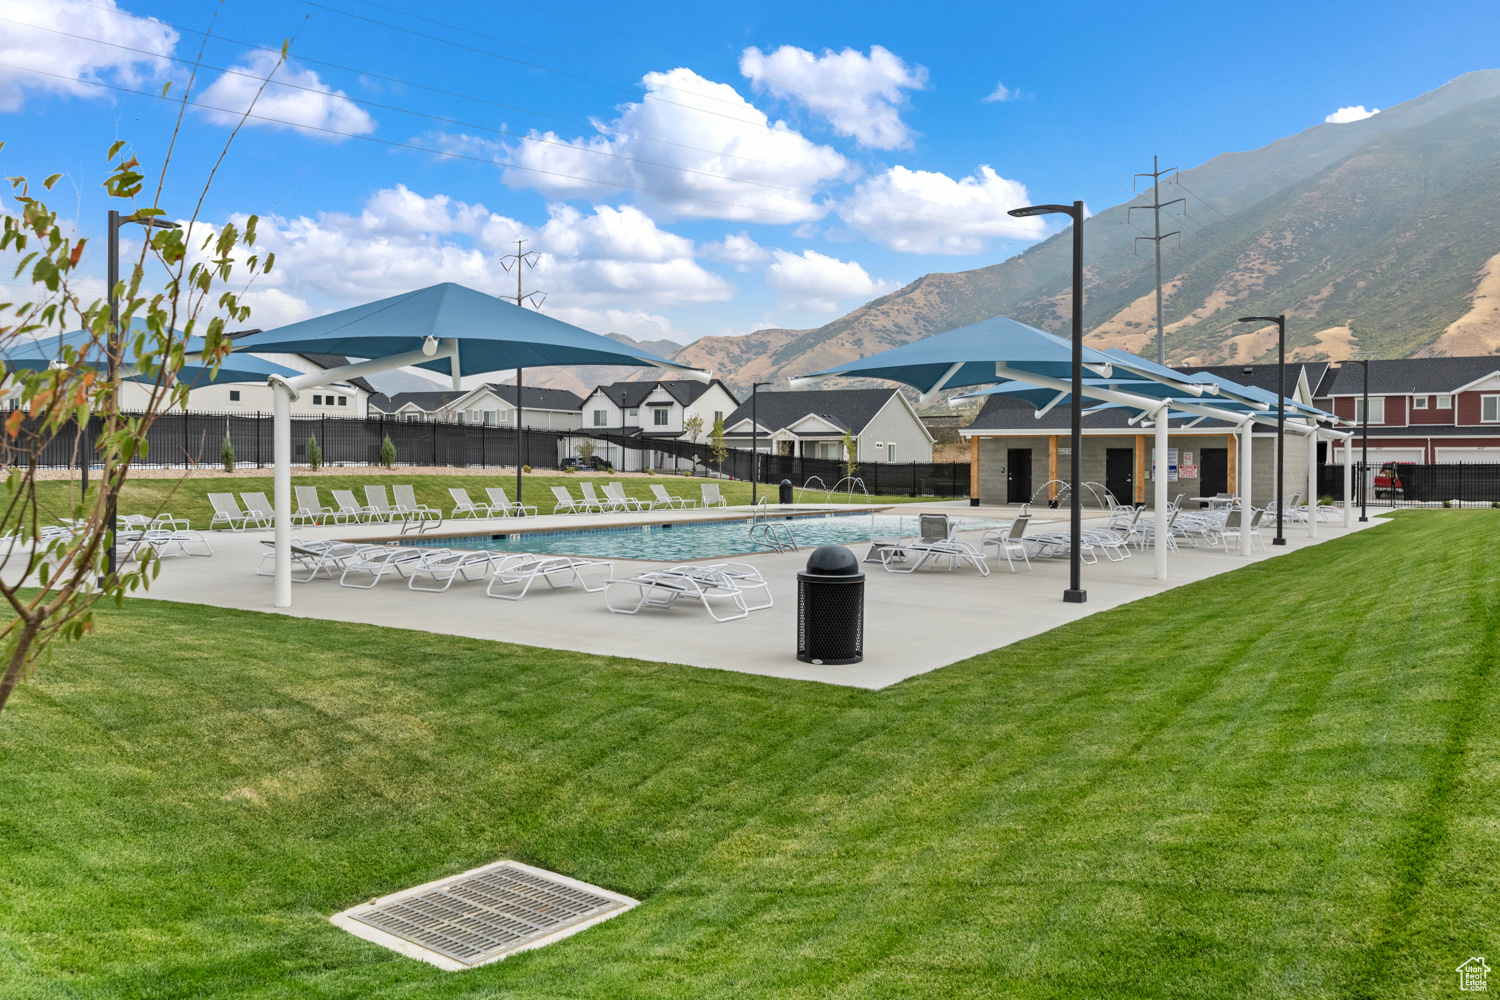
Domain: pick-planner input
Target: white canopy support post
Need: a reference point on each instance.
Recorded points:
(1042, 411)
(1312, 481)
(1348, 480)
(452, 345)
(1160, 474)
(937, 386)
(1247, 512)
(281, 438)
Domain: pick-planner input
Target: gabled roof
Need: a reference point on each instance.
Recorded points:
(429, 402)
(535, 398)
(851, 408)
(1400, 376)
(1267, 376)
(631, 394)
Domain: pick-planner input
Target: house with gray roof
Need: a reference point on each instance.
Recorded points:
(811, 423)
(492, 404)
(653, 410)
(1424, 410)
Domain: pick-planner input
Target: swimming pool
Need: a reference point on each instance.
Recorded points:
(683, 541)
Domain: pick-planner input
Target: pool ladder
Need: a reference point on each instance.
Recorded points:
(774, 535)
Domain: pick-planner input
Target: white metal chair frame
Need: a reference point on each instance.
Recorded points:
(524, 570)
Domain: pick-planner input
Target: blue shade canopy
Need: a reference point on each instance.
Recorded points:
(1146, 389)
(492, 334)
(975, 349)
(44, 351)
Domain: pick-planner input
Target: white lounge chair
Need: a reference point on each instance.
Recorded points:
(665, 499)
(879, 543)
(227, 510)
(593, 500)
(712, 497)
(310, 509)
(407, 507)
(499, 501)
(320, 557)
(1008, 543)
(378, 560)
(163, 541)
(351, 509)
(376, 500)
(563, 502)
(462, 505)
(444, 567)
(258, 508)
(616, 494)
(663, 588)
(934, 541)
(558, 571)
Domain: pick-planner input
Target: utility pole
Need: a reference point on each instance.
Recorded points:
(1156, 206)
(529, 258)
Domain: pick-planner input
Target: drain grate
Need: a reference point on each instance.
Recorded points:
(483, 915)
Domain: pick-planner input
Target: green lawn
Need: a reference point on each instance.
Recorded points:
(1280, 782)
(189, 498)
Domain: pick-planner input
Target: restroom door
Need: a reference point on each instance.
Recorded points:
(1119, 474)
(1018, 475)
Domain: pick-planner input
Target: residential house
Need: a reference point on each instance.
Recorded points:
(812, 424)
(653, 410)
(1424, 410)
(349, 399)
(490, 405)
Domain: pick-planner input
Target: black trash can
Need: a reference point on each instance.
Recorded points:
(831, 607)
(785, 491)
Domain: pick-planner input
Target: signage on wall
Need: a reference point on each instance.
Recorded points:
(1171, 464)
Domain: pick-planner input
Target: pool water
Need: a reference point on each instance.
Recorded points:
(691, 540)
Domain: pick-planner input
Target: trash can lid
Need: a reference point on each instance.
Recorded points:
(832, 560)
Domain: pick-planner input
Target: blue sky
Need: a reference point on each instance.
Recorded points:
(760, 164)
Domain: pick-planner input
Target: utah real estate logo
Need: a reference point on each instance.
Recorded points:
(1471, 975)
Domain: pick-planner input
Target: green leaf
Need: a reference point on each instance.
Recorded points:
(51, 181)
(114, 148)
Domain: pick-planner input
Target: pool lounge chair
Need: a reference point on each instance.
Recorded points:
(602, 504)
(375, 500)
(558, 572)
(310, 509)
(499, 501)
(320, 557)
(462, 505)
(445, 566)
(663, 588)
(712, 497)
(1008, 542)
(616, 494)
(934, 541)
(227, 510)
(351, 509)
(378, 560)
(563, 502)
(258, 508)
(665, 499)
(879, 543)
(407, 507)
(164, 542)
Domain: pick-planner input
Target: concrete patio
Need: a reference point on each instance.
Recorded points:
(914, 622)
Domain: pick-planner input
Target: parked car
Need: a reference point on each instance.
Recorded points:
(1388, 481)
(597, 464)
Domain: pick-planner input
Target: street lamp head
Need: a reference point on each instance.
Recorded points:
(151, 222)
(1030, 210)
(1259, 319)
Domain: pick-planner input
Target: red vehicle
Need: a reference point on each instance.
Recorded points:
(1388, 480)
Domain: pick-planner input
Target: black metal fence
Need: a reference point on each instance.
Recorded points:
(188, 439)
(1405, 484)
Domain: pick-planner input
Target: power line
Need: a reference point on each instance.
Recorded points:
(1156, 206)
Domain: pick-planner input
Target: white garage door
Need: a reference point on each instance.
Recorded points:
(1468, 454)
(1379, 456)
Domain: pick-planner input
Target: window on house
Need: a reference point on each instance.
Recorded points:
(1489, 409)
(317, 400)
(489, 418)
(633, 413)
(890, 452)
(1419, 402)
(1445, 402)
(718, 415)
(475, 417)
(601, 418)
(234, 395)
(343, 400)
(505, 416)
(661, 416)
(1377, 409)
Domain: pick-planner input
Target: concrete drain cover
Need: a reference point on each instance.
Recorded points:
(482, 915)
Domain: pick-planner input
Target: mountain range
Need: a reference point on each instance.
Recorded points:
(1380, 235)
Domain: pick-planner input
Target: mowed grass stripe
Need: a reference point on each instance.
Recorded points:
(1220, 791)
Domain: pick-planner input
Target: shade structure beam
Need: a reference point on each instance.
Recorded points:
(937, 386)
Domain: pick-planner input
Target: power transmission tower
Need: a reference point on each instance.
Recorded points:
(1156, 206)
(528, 258)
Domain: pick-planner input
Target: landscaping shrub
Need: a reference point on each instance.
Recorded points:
(314, 453)
(226, 453)
(526, 469)
(388, 452)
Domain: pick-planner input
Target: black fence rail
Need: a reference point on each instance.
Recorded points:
(182, 440)
(1405, 484)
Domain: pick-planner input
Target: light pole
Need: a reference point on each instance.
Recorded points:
(1075, 594)
(114, 344)
(754, 443)
(1280, 322)
(1363, 357)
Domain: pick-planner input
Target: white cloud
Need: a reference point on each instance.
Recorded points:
(73, 60)
(1354, 113)
(307, 104)
(920, 211)
(739, 250)
(753, 170)
(816, 282)
(636, 323)
(609, 268)
(859, 95)
(1002, 93)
